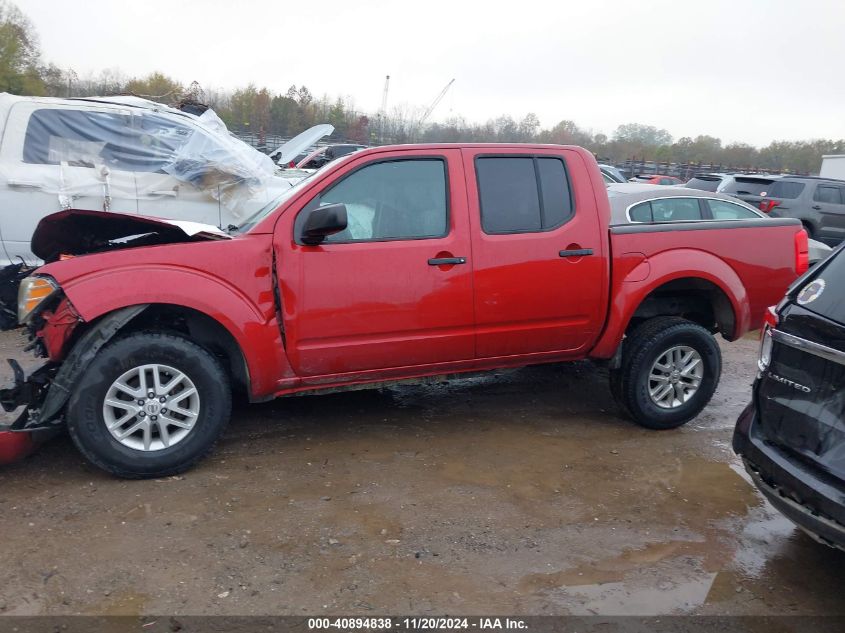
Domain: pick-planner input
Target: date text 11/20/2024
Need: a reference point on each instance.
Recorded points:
(415, 624)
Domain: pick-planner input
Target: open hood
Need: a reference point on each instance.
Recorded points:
(77, 232)
(299, 143)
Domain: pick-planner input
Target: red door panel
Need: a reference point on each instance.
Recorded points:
(527, 298)
(369, 305)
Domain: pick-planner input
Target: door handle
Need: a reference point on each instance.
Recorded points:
(578, 252)
(817, 207)
(446, 261)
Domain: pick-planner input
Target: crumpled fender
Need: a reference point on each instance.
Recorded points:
(629, 292)
(78, 360)
(103, 292)
(46, 390)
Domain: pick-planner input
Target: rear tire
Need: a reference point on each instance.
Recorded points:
(670, 368)
(118, 415)
(809, 229)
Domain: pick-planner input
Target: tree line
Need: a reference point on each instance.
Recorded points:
(264, 112)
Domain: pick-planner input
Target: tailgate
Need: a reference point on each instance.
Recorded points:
(799, 398)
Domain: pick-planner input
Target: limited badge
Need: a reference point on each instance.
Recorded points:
(811, 292)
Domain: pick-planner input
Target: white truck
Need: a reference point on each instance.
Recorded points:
(833, 166)
(129, 155)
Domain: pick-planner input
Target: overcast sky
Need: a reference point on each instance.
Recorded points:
(742, 70)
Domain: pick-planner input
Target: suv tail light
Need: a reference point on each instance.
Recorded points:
(802, 252)
(770, 322)
(766, 206)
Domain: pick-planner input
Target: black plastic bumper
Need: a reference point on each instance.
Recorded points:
(27, 391)
(811, 499)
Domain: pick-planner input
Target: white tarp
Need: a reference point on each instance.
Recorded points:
(198, 151)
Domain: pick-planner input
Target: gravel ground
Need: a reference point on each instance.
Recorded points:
(523, 492)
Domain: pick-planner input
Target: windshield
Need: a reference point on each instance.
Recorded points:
(704, 184)
(748, 186)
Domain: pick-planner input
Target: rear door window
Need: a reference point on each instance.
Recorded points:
(641, 212)
(785, 190)
(827, 194)
(554, 192)
(723, 210)
(704, 184)
(675, 210)
(666, 210)
(522, 194)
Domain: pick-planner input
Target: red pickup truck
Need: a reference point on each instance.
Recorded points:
(393, 263)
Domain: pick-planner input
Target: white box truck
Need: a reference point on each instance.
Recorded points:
(833, 166)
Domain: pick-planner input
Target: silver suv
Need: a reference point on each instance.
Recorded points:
(818, 202)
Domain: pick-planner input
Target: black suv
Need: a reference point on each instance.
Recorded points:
(818, 202)
(792, 435)
(750, 188)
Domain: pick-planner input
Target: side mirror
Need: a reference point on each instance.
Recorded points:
(322, 222)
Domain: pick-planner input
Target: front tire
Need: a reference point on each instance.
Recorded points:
(149, 405)
(670, 369)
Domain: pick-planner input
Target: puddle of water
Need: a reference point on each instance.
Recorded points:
(619, 598)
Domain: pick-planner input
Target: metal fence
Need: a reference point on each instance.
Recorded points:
(685, 171)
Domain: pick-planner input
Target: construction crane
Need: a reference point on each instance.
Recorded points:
(384, 95)
(382, 115)
(434, 103)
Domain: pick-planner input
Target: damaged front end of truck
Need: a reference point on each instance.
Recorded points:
(39, 396)
(40, 302)
(53, 330)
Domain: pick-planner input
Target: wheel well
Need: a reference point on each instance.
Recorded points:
(809, 227)
(698, 300)
(201, 329)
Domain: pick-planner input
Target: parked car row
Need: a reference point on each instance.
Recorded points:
(637, 203)
(819, 203)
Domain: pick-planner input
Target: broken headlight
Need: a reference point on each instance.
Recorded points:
(33, 292)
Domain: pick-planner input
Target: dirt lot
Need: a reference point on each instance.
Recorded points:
(523, 492)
